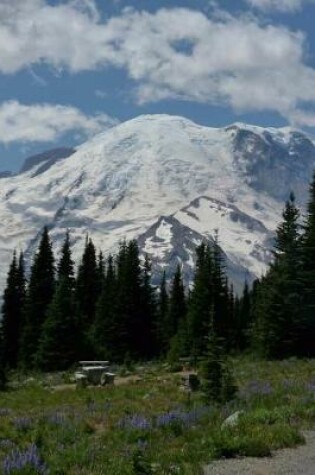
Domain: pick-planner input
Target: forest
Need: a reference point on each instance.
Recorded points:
(109, 309)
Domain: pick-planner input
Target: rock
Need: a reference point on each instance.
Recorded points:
(232, 420)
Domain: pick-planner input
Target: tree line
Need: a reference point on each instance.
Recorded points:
(109, 309)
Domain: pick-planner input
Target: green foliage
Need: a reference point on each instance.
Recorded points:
(308, 277)
(218, 384)
(39, 294)
(278, 325)
(12, 312)
(148, 428)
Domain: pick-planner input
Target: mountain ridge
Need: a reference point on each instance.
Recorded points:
(121, 182)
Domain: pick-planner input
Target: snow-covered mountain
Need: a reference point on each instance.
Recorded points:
(167, 182)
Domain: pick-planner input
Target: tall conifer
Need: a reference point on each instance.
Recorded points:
(59, 340)
(12, 309)
(38, 297)
(307, 346)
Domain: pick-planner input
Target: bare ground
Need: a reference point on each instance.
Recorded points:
(297, 461)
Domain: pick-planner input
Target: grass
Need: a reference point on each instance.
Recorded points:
(152, 427)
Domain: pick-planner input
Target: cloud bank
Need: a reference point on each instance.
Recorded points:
(279, 5)
(174, 53)
(45, 122)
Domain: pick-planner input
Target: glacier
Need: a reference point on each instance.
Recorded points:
(169, 183)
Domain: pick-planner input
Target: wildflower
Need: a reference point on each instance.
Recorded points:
(135, 421)
(19, 460)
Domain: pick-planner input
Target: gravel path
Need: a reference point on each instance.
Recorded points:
(298, 461)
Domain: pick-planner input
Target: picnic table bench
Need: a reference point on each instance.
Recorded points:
(94, 372)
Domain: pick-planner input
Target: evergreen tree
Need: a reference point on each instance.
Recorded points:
(244, 319)
(3, 365)
(106, 332)
(278, 323)
(12, 308)
(65, 266)
(38, 297)
(101, 271)
(87, 286)
(148, 313)
(222, 320)
(163, 302)
(177, 305)
(58, 343)
(59, 340)
(201, 302)
(218, 384)
(307, 346)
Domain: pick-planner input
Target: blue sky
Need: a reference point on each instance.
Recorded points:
(71, 68)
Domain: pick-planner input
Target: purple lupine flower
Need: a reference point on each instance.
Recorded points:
(4, 411)
(182, 417)
(256, 388)
(22, 423)
(57, 418)
(135, 421)
(18, 460)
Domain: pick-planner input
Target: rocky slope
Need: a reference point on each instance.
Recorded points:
(167, 182)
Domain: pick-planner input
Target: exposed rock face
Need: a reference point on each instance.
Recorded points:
(169, 183)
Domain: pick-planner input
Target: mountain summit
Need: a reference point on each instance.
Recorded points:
(167, 182)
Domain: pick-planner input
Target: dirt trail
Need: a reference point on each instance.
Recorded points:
(298, 461)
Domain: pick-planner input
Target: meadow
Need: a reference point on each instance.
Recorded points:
(149, 425)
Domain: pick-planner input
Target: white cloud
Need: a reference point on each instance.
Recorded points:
(45, 122)
(232, 61)
(279, 5)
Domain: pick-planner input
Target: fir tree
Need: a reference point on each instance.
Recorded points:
(149, 313)
(218, 384)
(106, 332)
(244, 319)
(59, 340)
(222, 320)
(38, 297)
(3, 365)
(163, 302)
(58, 344)
(87, 286)
(12, 309)
(307, 346)
(201, 301)
(65, 266)
(177, 305)
(278, 323)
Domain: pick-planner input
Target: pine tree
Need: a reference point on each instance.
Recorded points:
(87, 286)
(177, 305)
(58, 343)
(222, 320)
(59, 340)
(244, 319)
(163, 303)
(3, 365)
(65, 266)
(218, 384)
(201, 301)
(307, 346)
(38, 297)
(148, 313)
(278, 322)
(12, 309)
(101, 271)
(106, 332)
